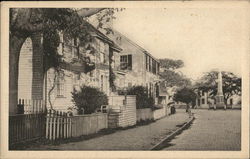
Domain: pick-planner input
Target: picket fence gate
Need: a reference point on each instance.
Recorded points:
(58, 125)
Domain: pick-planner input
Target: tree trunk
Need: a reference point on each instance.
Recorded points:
(15, 45)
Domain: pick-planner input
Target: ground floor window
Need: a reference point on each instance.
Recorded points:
(60, 86)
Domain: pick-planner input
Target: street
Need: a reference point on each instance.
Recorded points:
(138, 138)
(211, 130)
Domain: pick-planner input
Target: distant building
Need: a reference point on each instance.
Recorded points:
(205, 101)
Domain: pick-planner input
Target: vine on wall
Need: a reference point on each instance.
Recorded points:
(112, 76)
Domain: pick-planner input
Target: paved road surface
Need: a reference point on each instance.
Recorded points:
(211, 130)
(138, 138)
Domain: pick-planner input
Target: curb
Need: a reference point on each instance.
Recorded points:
(160, 145)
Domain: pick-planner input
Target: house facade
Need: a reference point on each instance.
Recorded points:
(83, 63)
(140, 67)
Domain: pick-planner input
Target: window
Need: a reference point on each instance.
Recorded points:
(154, 66)
(102, 82)
(102, 57)
(203, 101)
(146, 63)
(126, 62)
(60, 86)
(150, 64)
(102, 47)
(158, 67)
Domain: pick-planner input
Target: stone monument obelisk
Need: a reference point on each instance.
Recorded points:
(219, 96)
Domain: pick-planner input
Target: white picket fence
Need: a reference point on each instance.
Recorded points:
(28, 106)
(59, 125)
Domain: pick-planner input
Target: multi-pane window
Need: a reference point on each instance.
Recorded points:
(60, 86)
(151, 64)
(126, 62)
(75, 48)
(103, 48)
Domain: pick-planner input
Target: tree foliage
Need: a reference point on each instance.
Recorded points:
(88, 99)
(185, 95)
(173, 78)
(171, 64)
(208, 83)
(169, 74)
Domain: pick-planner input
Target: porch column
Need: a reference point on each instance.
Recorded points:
(37, 68)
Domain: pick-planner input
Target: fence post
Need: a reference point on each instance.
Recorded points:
(50, 124)
(64, 125)
(70, 126)
(57, 125)
(61, 125)
(54, 124)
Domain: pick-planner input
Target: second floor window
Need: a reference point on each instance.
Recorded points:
(126, 62)
(102, 57)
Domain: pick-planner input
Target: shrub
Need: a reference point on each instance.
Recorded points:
(88, 99)
(142, 98)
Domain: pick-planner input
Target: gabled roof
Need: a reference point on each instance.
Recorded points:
(134, 44)
(97, 33)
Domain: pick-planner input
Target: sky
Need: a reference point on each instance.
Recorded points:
(205, 39)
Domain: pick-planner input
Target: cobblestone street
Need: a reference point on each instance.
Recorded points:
(211, 130)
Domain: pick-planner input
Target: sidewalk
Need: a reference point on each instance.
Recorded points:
(138, 138)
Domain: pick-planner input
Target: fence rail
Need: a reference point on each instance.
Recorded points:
(26, 127)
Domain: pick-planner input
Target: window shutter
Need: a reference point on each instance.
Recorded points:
(130, 62)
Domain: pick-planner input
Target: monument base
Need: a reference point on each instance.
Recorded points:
(220, 102)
